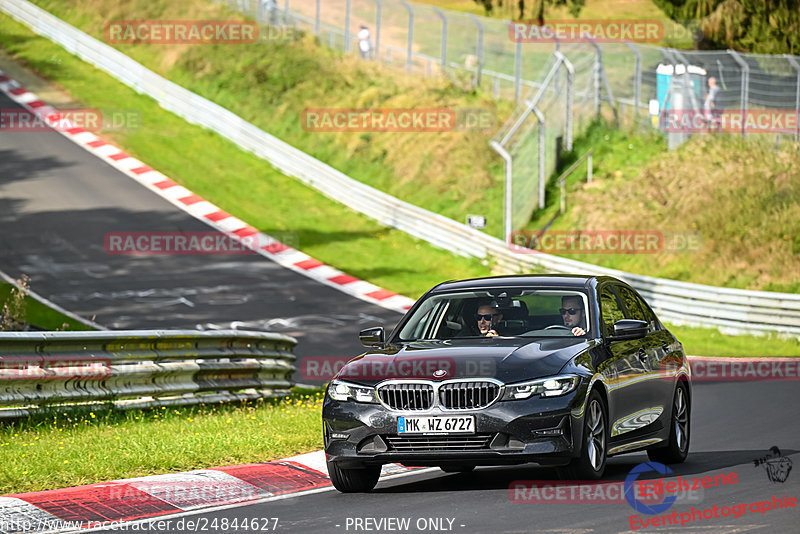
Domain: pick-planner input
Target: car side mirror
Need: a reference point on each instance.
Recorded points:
(372, 337)
(629, 329)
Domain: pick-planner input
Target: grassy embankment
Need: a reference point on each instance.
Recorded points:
(38, 314)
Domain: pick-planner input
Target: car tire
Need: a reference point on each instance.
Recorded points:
(591, 461)
(464, 468)
(677, 447)
(353, 480)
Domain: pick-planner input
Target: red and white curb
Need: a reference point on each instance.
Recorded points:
(203, 210)
(108, 504)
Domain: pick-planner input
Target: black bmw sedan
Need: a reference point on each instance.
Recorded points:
(560, 370)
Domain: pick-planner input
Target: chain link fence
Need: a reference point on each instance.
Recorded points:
(559, 86)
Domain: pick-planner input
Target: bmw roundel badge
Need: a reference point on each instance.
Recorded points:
(439, 373)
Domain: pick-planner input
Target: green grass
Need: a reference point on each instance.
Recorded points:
(243, 184)
(709, 342)
(40, 315)
(269, 84)
(68, 448)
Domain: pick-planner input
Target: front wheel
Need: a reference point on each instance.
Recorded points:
(677, 447)
(591, 461)
(353, 480)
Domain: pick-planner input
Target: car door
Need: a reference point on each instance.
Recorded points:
(624, 372)
(656, 400)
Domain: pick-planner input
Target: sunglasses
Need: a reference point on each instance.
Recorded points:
(571, 311)
(485, 316)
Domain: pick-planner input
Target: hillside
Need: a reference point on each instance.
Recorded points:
(749, 231)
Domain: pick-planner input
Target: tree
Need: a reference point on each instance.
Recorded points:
(761, 26)
(536, 11)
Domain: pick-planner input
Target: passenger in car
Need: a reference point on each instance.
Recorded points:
(572, 314)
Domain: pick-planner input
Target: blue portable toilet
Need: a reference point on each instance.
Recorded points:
(664, 74)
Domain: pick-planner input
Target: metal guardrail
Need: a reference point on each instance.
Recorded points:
(732, 310)
(140, 368)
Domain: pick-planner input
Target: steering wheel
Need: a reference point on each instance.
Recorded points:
(557, 326)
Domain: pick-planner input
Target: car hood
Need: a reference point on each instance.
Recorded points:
(507, 360)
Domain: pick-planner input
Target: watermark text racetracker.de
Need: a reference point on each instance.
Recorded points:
(325, 367)
(605, 241)
(181, 32)
(581, 31)
(49, 367)
(397, 120)
(781, 121)
(92, 119)
(191, 243)
(736, 370)
(582, 492)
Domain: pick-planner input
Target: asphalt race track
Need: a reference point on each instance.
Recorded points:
(57, 202)
(733, 424)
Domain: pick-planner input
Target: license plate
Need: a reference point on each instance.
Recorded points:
(464, 424)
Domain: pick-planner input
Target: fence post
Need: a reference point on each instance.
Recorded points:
(518, 72)
(347, 6)
(316, 18)
(796, 67)
(687, 84)
(745, 87)
(378, 7)
(570, 96)
(285, 12)
(410, 33)
(596, 74)
(600, 75)
(637, 78)
(589, 167)
(444, 37)
(542, 184)
(507, 197)
(480, 46)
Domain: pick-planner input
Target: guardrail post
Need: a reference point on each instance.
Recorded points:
(796, 67)
(745, 87)
(444, 37)
(509, 162)
(637, 78)
(542, 184)
(479, 48)
(410, 34)
(347, 6)
(316, 18)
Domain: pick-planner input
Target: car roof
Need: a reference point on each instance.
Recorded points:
(577, 281)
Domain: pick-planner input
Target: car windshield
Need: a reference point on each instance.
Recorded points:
(506, 312)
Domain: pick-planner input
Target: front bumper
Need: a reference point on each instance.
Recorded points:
(540, 430)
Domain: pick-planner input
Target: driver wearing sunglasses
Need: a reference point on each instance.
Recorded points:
(572, 314)
(487, 318)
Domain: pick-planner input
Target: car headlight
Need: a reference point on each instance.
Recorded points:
(343, 391)
(544, 387)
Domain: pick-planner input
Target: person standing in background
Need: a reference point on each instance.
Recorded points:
(364, 43)
(710, 103)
